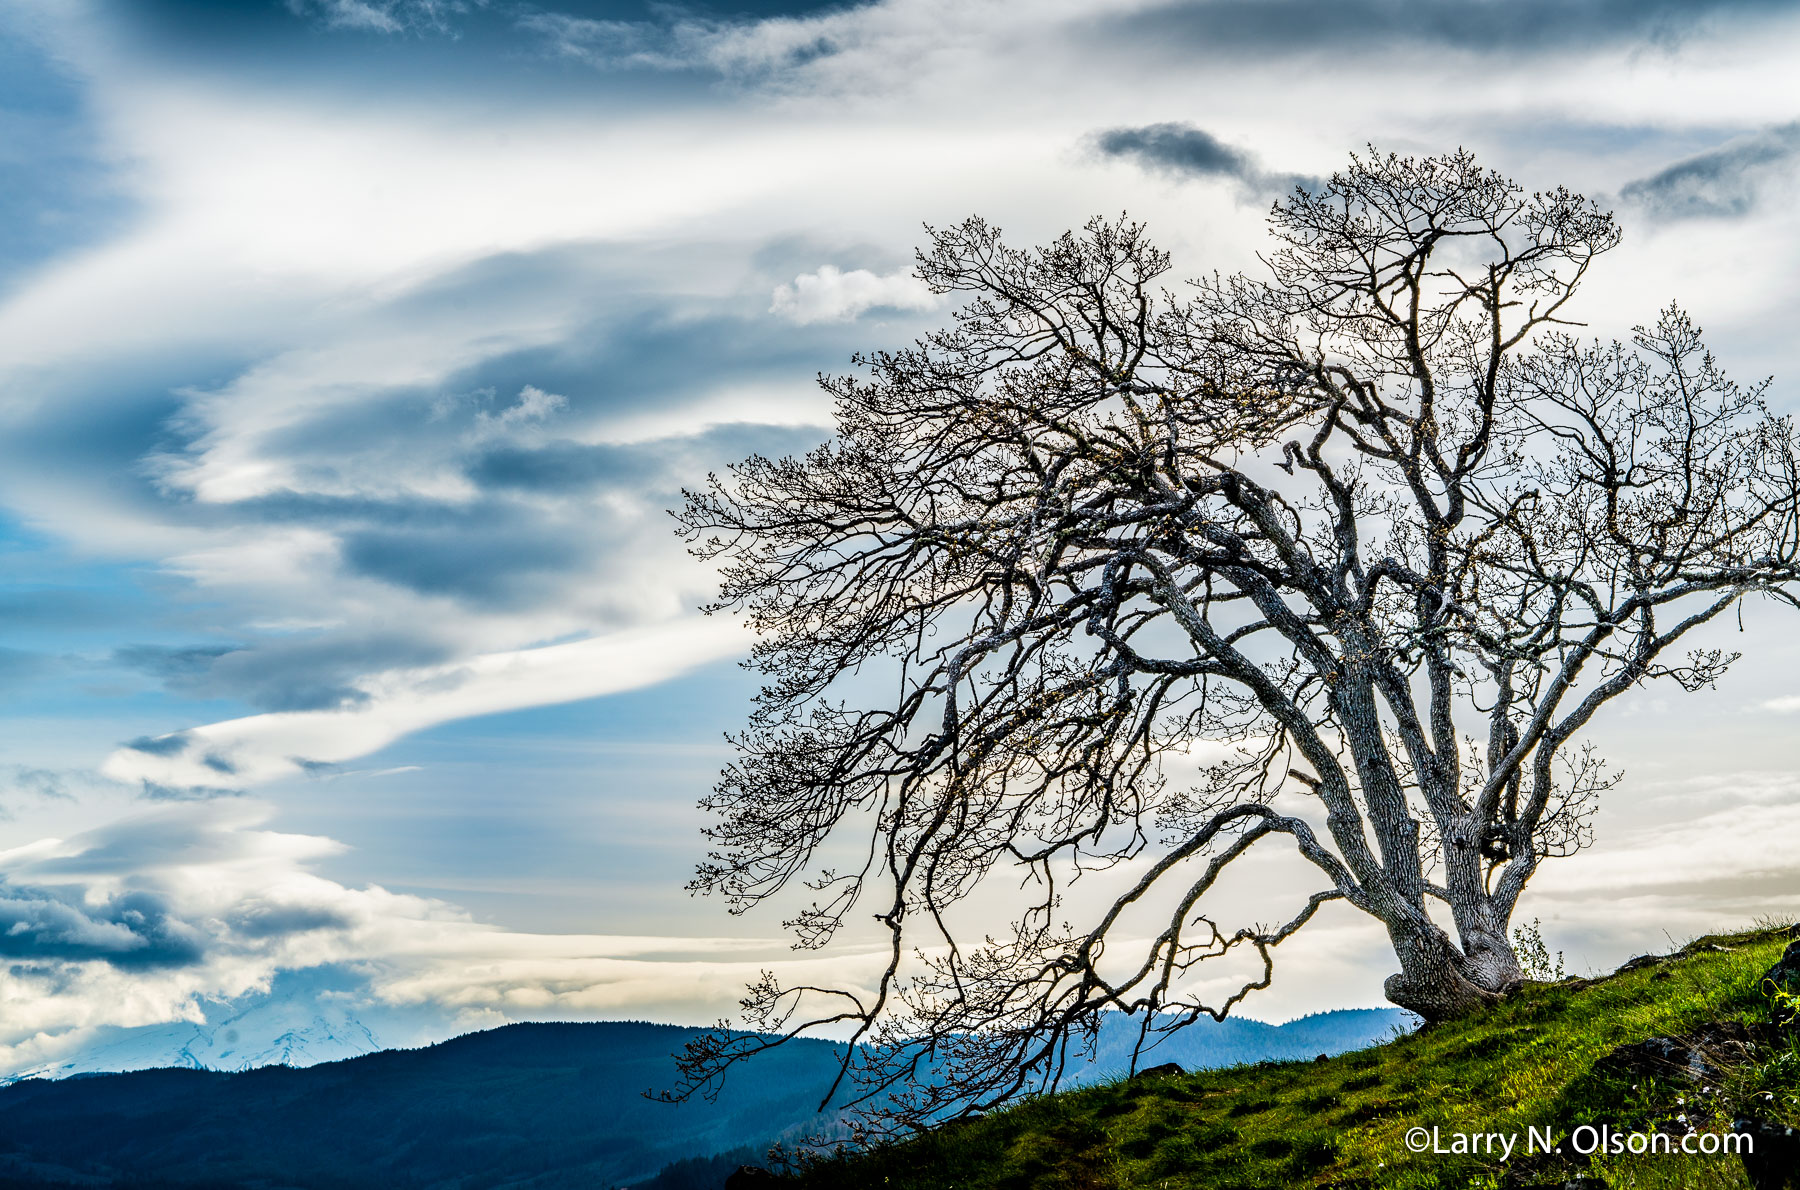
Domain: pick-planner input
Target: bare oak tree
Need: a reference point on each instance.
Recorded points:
(1372, 536)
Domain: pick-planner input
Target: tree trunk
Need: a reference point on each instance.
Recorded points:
(1440, 982)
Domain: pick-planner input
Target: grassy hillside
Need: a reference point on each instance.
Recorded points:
(1541, 1059)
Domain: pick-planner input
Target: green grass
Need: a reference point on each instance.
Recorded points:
(1342, 1122)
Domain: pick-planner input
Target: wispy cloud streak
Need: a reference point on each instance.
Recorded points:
(1722, 183)
(240, 753)
(386, 16)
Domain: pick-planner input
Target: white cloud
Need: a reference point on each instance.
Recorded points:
(829, 295)
(241, 753)
(534, 405)
(1725, 862)
(248, 904)
(1715, 853)
(1786, 704)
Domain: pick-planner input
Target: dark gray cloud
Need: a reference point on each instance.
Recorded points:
(274, 920)
(166, 745)
(293, 673)
(1178, 147)
(577, 466)
(1220, 28)
(491, 553)
(131, 930)
(562, 466)
(162, 661)
(1182, 150)
(309, 673)
(156, 791)
(1722, 183)
(488, 566)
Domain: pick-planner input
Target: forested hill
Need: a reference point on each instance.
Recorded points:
(540, 1105)
(1207, 1044)
(532, 1105)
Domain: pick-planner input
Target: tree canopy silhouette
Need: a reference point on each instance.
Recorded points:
(1341, 558)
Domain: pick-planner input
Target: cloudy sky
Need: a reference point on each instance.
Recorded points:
(351, 352)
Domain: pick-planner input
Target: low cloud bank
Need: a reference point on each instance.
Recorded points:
(153, 918)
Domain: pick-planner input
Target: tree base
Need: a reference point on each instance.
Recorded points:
(1446, 997)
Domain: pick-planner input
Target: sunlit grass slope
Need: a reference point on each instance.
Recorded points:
(1343, 1122)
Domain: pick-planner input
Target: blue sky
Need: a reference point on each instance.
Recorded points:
(351, 352)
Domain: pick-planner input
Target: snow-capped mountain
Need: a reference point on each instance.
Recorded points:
(265, 1035)
(298, 1022)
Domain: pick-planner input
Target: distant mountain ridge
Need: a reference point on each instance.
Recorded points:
(263, 1035)
(538, 1106)
(1208, 1044)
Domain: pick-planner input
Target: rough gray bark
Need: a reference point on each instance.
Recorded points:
(1375, 522)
